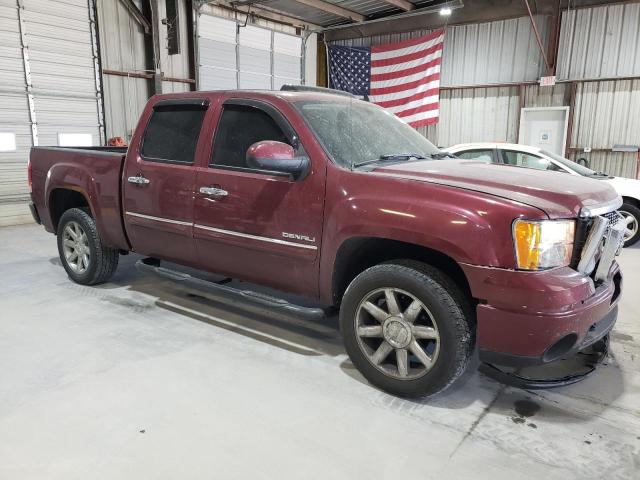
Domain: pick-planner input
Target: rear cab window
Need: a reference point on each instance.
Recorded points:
(173, 130)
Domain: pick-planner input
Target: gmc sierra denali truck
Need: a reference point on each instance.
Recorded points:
(336, 199)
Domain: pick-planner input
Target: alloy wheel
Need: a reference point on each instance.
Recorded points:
(631, 224)
(397, 333)
(76, 247)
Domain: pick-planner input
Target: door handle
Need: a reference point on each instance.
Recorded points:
(214, 192)
(139, 180)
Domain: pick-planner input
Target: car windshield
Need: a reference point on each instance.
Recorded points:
(356, 133)
(576, 167)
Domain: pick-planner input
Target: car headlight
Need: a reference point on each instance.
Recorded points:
(542, 244)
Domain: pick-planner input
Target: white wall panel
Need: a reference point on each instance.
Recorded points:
(122, 48)
(600, 42)
(475, 115)
(217, 66)
(503, 51)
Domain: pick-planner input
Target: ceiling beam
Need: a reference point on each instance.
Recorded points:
(137, 15)
(334, 9)
(403, 4)
(260, 11)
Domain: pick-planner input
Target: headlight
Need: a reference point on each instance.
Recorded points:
(543, 244)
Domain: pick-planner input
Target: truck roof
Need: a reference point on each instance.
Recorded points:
(289, 96)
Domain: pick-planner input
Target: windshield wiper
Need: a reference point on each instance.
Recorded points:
(441, 155)
(392, 156)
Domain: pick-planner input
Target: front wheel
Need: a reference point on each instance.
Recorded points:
(406, 328)
(631, 215)
(82, 254)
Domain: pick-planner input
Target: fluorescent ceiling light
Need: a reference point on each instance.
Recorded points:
(445, 11)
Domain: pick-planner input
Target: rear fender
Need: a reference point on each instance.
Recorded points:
(105, 208)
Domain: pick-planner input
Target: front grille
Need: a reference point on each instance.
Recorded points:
(608, 243)
(582, 230)
(613, 218)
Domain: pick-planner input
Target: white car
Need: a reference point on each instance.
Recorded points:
(534, 157)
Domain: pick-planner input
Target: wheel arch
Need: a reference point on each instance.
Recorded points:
(62, 199)
(630, 200)
(359, 253)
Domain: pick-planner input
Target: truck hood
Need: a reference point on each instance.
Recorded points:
(558, 194)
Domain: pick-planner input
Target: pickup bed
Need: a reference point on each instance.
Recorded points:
(335, 199)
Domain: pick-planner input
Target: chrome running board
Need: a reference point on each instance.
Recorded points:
(249, 300)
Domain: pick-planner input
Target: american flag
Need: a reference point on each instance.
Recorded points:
(403, 77)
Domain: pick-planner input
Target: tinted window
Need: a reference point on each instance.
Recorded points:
(240, 127)
(527, 160)
(172, 133)
(477, 155)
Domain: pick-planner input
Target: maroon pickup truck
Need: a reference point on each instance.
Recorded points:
(332, 198)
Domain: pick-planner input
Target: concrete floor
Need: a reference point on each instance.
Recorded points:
(133, 379)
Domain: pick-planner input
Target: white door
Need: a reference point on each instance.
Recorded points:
(50, 90)
(544, 127)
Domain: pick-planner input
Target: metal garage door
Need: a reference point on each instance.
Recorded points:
(49, 88)
(248, 57)
(15, 124)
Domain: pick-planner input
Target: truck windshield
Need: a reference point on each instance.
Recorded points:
(356, 133)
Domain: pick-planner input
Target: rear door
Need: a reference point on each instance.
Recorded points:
(159, 179)
(262, 226)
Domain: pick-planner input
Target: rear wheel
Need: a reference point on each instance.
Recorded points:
(406, 328)
(631, 215)
(82, 254)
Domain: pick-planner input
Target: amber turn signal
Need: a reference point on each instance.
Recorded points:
(543, 244)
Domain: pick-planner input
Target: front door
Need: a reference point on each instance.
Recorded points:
(256, 225)
(544, 127)
(159, 181)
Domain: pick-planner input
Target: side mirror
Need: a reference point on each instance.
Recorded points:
(277, 157)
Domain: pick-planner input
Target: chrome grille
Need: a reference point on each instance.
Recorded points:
(613, 218)
(603, 242)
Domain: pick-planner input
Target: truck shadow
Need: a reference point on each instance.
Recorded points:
(322, 338)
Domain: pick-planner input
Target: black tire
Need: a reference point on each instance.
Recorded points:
(103, 261)
(635, 212)
(451, 312)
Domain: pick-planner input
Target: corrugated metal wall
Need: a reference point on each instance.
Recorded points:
(475, 115)
(48, 86)
(600, 42)
(606, 114)
(175, 66)
(555, 96)
(122, 48)
(499, 52)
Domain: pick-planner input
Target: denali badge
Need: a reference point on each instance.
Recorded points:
(298, 237)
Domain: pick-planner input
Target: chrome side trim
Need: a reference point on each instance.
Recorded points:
(159, 219)
(256, 237)
(587, 212)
